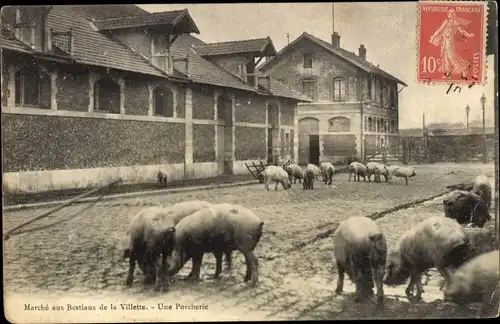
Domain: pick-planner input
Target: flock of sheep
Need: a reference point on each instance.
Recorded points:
(163, 239)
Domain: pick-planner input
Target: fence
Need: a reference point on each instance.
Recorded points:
(448, 148)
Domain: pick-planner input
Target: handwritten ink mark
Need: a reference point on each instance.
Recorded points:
(454, 90)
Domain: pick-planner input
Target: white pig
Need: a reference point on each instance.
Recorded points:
(358, 169)
(401, 172)
(328, 170)
(482, 187)
(437, 242)
(295, 172)
(360, 250)
(376, 169)
(278, 175)
(475, 281)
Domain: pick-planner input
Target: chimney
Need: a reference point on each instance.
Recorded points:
(362, 51)
(336, 40)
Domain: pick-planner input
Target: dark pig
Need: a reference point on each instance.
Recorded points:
(466, 207)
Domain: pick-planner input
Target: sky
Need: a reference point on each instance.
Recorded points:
(388, 31)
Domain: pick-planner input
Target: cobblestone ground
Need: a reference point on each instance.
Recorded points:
(79, 255)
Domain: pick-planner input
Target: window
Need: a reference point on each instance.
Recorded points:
(370, 88)
(163, 102)
(107, 96)
(339, 89)
(308, 61)
(370, 124)
(308, 88)
(31, 88)
(393, 126)
(340, 124)
(386, 125)
(381, 93)
(394, 97)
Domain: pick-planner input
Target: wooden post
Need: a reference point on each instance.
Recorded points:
(405, 151)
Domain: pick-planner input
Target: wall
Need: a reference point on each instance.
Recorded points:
(203, 103)
(250, 108)
(203, 143)
(250, 143)
(324, 69)
(72, 89)
(229, 62)
(137, 40)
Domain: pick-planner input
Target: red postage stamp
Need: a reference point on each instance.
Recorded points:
(451, 42)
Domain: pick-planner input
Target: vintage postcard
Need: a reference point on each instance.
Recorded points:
(250, 161)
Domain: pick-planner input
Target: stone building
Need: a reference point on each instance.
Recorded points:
(355, 103)
(92, 93)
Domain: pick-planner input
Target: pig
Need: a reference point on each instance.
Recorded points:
(476, 281)
(481, 240)
(381, 169)
(482, 188)
(295, 172)
(467, 208)
(437, 242)
(278, 175)
(218, 229)
(360, 250)
(328, 170)
(358, 169)
(144, 238)
(401, 172)
(491, 307)
(316, 170)
(309, 176)
(162, 178)
(376, 169)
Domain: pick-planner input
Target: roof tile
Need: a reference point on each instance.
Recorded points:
(9, 42)
(93, 48)
(234, 47)
(146, 19)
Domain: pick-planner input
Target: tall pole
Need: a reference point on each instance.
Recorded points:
(467, 111)
(333, 17)
(485, 148)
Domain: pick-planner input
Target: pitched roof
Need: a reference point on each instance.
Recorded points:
(260, 45)
(109, 11)
(93, 48)
(150, 19)
(9, 42)
(281, 90)
(344, 54)
(201, 70)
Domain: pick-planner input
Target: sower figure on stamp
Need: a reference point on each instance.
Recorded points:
(451, 62)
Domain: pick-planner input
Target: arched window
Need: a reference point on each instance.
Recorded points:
(339, 89)
(107, 96)
(386, 125)
(32, 88)
(163, 102)
(370, 124)
(339, 124)
(393, 126)
(309, 88)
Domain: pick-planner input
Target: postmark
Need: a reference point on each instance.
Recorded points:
(451, 42)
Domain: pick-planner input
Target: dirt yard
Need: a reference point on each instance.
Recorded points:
(79, 255)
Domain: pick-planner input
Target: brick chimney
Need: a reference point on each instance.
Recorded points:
(336, 40)
(362, 51)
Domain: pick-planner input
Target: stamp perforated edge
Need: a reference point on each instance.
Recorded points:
(485, 34)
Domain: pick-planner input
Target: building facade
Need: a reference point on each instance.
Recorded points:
(92, 93)
(354, 112)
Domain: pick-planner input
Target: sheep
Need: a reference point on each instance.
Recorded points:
(376, 169)
(478, 280)
(401, 172)
(162, 178)
(145, 243)
(466, 207)
(437, 242)
(482, 187)
(278, 175)
(358, 169)
(328, 170)
(295, 172)
(360, 250)
(309, 176)
(219, 229)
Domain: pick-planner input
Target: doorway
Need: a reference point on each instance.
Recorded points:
(314, 149)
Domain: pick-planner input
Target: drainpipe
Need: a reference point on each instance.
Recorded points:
(362, 139)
